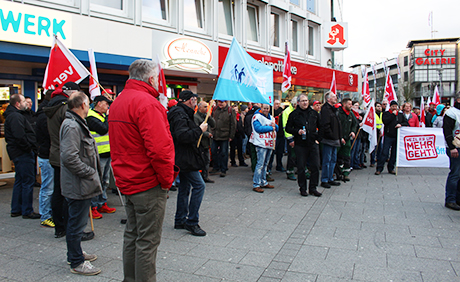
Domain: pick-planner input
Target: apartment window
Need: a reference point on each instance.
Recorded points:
(226, 17)
(252, 23)
(406, 60)
(311, 40)
(311, 6)
(406, 75)
(155, 9)
(115, 4)
(295, 2)
(194, 13)
(275, 29)
(294, 36)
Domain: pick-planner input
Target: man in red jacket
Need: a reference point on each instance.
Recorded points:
(142, 153)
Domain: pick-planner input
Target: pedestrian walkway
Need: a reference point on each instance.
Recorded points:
(373, 228)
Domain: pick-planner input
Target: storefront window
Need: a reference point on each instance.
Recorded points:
(193, 14)
(226, 17)
(253, 23)
(155, 9)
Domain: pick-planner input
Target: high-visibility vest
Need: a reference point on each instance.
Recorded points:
(102, 141)
(378, 120)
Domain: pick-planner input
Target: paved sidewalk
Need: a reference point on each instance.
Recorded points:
(374, 228)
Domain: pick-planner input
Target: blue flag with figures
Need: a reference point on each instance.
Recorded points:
(244, 79)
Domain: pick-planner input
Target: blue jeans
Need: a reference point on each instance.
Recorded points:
(355, 153)
(452, 179)
(78, 217)
(329, 160)
(388, 142)
(219, 152)
(47, 188)
(245, 142)
(188, 206)
(101, 199)
(260, 173)
(23, 189)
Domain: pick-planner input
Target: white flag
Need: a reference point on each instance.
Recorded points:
(93, 86)
(370, 125)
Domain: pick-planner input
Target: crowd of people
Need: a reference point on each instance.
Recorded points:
(149, 151)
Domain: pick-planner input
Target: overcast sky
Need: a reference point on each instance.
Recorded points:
(379, 29)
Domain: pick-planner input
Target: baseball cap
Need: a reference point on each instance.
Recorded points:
(71, 86)
(316, 102)
(186, 95)
(101, 98)
(172, 103)
(109, 91)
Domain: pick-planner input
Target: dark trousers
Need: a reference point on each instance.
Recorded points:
(308, 155)
(145, 212)
(219, 152)
(189, 197)
(279, 151)
(78, 217)
(23, 189)
(388, 142)
(236, 144)
(59, 204)
(252, 150)
(377, 151)
(291, 161)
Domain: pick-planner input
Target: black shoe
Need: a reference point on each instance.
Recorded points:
(243, 164)
(195, 230)
(114, 191)
(86, 236)
(325, 185)
(33, 215)
(357, 168)
(304, 193)
(16, 214)
(334, 183)
(452, 206)
(207, 180)
(179, 226)
(59, 234)
(223, 174)
(315, 193)
(392, 172)
(173, 188)
(377, 172)
(234, 165)
(214, 172)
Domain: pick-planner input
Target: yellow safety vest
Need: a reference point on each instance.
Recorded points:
(102, 141)
(378, 120)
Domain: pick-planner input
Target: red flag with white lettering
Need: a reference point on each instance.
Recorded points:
(390, 93)
(370, 126)
(422, 114)
(365, 93)
(162, 88)
(333, 88)
(286, 70)
(62, 67)
(436, 97)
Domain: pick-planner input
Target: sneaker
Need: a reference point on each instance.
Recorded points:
(106, 209)
(95, 213)
(86, 268)
(195, 230)
(32, 215)
(48, 223)
(87, 257)
(268, 186)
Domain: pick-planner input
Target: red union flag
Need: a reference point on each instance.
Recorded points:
(436, 98)
(365, 93)
(390, 93)
(162, 88)
(93, 86)
(370, 126)
(62, 67)
(286, 70)
(333, 88)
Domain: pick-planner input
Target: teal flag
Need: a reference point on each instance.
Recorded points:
(244, 79)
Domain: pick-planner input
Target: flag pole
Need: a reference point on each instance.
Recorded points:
(356, 137)
(211, 104)
(103, 89)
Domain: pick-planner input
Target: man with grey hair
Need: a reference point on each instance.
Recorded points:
(80, 179)
(142, 152)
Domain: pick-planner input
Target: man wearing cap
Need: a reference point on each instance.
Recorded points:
(392, 120)
(316, 106)
(190, 159)
(205, 143)
(98, 124)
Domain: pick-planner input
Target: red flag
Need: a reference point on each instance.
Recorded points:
(436, 98)
(286, 70)
(162, 88)
(93, 86)
(62, 67)
(333, 84)
(390, 93)
(370, 126)
(365, 93)
(422, 114)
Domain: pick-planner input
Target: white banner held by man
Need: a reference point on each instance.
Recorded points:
(421, 147)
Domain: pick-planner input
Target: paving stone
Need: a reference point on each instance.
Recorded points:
(257, 259)
(420, 264)
(366, 273)
(227, 270)
(173, 276)
(291, 276)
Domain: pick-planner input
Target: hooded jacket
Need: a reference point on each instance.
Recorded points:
(55, 111)
(141, 145)
(300, 118)
(185, 134)
(19, 134)
(80, 165)
(41, 131)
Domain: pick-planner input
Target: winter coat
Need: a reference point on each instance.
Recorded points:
(300, 118)
(225, 123)
(41, 131)
(80, 165)
(19, 134)
(390, 121)
(185, 134)
(248, 121)
(348, 123)
(330, 128)
(141, 146)
(199, 119)
(55, 111)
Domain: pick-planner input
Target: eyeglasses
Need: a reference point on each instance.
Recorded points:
(303, 101)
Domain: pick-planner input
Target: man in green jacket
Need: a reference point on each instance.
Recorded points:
(349, 127)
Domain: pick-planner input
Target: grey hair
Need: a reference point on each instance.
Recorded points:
(142, 70)
(77, 99)
(326, 96)
(294, 100)
(305, 95)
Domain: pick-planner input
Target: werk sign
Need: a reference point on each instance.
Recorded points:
(421, 147)
(244, 79)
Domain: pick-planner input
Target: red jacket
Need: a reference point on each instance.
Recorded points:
(141, 145)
